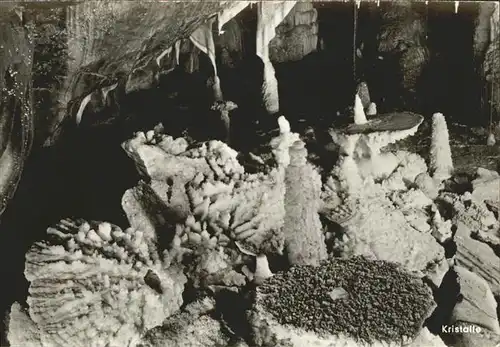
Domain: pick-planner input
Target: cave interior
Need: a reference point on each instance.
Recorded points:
(85, 172)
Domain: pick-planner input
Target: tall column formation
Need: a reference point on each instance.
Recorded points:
(441, 163)
(269, 15)
(297, 36)
(304, 239)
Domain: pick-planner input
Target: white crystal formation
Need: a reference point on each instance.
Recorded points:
(95, 285)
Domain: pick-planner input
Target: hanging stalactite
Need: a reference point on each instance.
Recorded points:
(269, 16)
(203, 39)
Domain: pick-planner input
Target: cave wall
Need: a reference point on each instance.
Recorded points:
(491, 65)
(296, 36)
(17, 123)
(110, 43)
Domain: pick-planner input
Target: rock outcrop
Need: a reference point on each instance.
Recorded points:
(16, 113)
(477, 257)
(478, 305)
(95, 281)
(297, 35)
(343, 302)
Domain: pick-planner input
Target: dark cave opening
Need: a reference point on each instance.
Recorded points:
(453, 86)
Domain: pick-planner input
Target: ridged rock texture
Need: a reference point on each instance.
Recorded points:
(478, 305)
(92, 284)
(297, 35)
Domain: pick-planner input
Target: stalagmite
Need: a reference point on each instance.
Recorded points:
(224, 107)
(441, 163)
(270, 15)
(304, 238)
(359, 113)
(204, 40)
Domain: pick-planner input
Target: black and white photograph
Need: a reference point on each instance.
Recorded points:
(265, 173)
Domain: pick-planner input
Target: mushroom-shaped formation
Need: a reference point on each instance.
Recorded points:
(224, 107)
(343, 302)
(360, 144)
(441, 163)
(93, 284)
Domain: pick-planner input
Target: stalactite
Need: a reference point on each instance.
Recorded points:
(160, 57)
(269, 15)
(230, 44)
(82, 107)
(296, 36)
(106, 90)
(204, 40)
(226, 15)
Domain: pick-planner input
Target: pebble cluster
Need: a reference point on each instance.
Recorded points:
(382, 303)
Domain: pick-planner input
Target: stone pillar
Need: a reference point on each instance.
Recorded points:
(304, 239)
